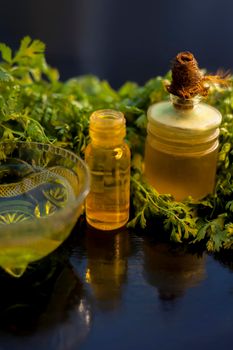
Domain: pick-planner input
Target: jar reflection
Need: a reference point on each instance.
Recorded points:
(107, 265)
(171, 271)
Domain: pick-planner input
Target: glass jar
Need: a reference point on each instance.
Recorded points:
(182, 147)
(108, 158)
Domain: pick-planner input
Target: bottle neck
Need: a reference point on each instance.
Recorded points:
(107, 127)
(184, 104)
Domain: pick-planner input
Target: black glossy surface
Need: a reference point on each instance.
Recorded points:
(119, 291)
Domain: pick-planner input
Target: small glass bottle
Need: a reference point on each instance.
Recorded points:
(108, 158)
(182, 147)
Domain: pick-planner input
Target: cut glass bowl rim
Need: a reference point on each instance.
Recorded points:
(84, 189)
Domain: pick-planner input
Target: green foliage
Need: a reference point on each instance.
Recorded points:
(212, 231)
(36, 106)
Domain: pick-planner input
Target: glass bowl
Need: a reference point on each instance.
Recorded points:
(42, 190)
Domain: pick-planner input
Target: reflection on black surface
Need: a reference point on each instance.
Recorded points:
(171, 271)
(106, 271)
(52, 309)
(45, 311)
(224, 257)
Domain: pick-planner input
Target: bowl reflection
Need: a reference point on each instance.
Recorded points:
(49, 311)
(42, 189)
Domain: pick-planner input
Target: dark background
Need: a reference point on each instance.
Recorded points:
(121, 40)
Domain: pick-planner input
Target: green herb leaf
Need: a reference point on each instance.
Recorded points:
(6, 52)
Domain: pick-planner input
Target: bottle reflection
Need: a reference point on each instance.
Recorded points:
(106, 271)
(53, 313)
(172, 272)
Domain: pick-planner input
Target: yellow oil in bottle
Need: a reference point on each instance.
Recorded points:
(181, 148)
(181, 175)
(108, 158)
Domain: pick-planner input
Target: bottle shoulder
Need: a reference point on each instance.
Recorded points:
(105, 148)
(115, 151)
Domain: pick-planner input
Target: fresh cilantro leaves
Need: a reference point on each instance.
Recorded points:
(36, 106)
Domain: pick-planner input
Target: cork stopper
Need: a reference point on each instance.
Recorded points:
(188, 80)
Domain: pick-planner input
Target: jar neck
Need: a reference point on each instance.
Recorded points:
(197, 146)
(107, 127)
(184, 104)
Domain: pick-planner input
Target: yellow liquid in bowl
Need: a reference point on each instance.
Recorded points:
(32, 195)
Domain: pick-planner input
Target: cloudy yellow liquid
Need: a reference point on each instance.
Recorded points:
(181, 175)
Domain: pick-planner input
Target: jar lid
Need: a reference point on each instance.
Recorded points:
(200, 118)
